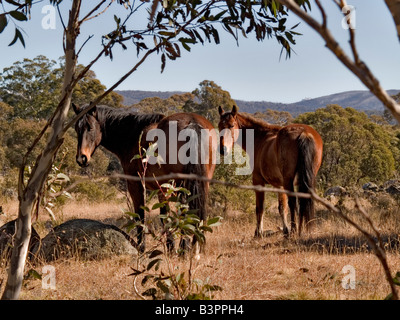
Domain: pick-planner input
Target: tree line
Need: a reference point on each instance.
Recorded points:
(357, 148)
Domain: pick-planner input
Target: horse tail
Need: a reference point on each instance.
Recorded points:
(306, 177)
(197, 188)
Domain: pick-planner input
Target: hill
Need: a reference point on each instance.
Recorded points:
(134, 96)
(360, 100)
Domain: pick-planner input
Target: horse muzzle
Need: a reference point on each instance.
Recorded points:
(223, 150)
(82, 160)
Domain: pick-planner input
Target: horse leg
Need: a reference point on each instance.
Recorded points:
(136, 191)
(292, 206)
(283, 204)
(259, 214)
(170, 236)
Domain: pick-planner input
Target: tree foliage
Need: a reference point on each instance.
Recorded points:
(33, 88)
(207, 98)
(356, 149)
(281, 118)
(167, 106)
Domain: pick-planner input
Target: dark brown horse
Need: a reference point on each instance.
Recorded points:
(119, 131)
(282, 157)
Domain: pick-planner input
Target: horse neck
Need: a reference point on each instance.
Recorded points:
(118, 135)
(261, 128)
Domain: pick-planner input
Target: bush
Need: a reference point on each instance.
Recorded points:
(95, 191)
(356, 150)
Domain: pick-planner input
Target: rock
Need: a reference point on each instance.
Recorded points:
(393, 190)
(86, 239)
(391, 182)
(336, 191)
(370, 186)
(7, 232)
(392, 187)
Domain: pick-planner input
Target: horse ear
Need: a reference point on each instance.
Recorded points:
(234, 110)
(220, 110)
(75, 108)
(93, 111)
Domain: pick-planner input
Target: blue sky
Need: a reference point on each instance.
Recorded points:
(251, 71)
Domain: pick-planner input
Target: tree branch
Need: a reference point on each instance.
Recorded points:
(394, 8)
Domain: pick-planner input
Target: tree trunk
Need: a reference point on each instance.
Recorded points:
(394, 7)
(30, 194)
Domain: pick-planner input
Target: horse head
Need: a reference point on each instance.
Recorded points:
(229, 129)
(89, 135)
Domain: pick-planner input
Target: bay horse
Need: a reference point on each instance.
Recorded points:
(283, 157)
(119, 131)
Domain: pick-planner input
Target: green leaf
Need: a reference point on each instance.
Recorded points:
(150, 292)
(193, 197)
(3, 22)
(206, 228)
(169, 187)
(18, 15)
(33, 273)
(63, 177)
(51, 214)
(396, 279)
(18, 35)
(132, 214)
(135, 272)
(212, 287)
(136, 156)
(155, 253)
(163, 61)
(219, 15)
(189, 227)
(295, 26)
(158, 205)
(184, 190)
(152, 263)
(167, 34)
(146, 278)
(213, 222)
(163, 287)
(389, 296)
(152, 194)
(274, 8)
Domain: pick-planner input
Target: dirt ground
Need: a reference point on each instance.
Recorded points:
(317, 266)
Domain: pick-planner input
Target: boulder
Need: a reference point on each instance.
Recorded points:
(85, 239)
(336, 191)
(392, 187)
(7, 232)
(370, 186)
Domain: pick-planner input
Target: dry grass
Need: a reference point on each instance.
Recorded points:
(246, 268)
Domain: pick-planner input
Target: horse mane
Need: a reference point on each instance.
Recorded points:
(117, 116)
(247, 120)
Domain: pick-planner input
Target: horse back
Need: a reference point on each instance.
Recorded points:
(288, 145)
(172, 126)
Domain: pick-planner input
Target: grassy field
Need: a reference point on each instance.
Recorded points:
(273, 267)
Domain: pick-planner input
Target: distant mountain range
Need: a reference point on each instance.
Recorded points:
(360, 100)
